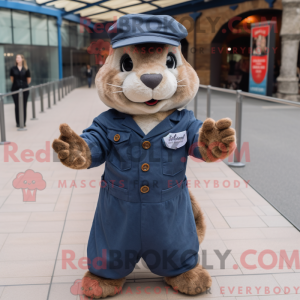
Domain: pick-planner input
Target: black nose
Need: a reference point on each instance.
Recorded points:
(151, 80)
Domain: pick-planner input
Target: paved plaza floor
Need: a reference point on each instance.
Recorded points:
(35, 236)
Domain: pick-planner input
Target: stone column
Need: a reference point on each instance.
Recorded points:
(290, 38)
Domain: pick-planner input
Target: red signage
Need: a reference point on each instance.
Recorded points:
(259, 58)
(259, 66)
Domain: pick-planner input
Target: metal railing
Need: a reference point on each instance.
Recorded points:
(60, 88)
(238, 112)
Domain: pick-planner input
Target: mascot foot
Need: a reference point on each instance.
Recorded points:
(97, 287)
(192, 282)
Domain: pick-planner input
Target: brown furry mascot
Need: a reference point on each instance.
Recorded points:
(145, 209)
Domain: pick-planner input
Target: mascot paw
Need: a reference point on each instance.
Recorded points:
(193, 282)
(216, 139)
(72, 150)
(96, 287)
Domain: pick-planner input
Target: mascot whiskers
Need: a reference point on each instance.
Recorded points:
(145, 209)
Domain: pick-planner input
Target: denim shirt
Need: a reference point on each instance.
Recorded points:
(125, 156)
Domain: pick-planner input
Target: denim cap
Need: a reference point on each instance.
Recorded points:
(139, 28)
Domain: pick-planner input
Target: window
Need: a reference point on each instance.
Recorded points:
(52, 27)
(5, 25)
(39, 29)
(25, 28)
(87, 39)
(65, 34)
(73, 35)
(21, 27)
(80, 37)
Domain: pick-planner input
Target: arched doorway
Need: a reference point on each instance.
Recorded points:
(231, 48)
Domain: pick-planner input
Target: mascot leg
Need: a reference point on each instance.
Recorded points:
(97, 287)
(192, 282)
(199, 218)
(197, 280)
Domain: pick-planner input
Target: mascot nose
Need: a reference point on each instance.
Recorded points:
(151, 80)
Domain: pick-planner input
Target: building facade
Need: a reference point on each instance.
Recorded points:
(49, 43)
(49, 34)
(219, 29)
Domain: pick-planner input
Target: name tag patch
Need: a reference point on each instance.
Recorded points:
(175, 140)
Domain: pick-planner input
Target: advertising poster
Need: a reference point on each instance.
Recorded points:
(262, 59)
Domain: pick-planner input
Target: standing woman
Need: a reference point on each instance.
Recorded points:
(20, 77)
(89, 75)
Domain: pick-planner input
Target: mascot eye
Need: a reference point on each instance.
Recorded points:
(171, 61)
(126, 63)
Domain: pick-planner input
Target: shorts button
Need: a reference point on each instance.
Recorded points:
(117, 137)
(146, 145)
(145, 167)
(145, 189)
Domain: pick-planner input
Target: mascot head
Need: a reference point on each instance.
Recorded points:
(145, 72)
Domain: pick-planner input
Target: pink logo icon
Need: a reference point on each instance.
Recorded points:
(76, 288)
(101, 49)
(29, 182)
(87, 285)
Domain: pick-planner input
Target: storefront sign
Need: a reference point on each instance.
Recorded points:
(262, 58)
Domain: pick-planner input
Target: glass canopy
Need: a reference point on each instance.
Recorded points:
(109, 10)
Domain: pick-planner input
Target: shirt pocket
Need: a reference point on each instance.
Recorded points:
(120, 155)
(173, 160)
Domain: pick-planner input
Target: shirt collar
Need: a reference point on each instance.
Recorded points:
(162, 127)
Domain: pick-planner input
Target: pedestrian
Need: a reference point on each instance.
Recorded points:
(20, 78)
(244, 71)
(89, 75)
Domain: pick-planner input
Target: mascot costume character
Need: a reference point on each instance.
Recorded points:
(145, 209)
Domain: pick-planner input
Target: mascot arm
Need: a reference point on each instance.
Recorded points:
(82, 152)
(216, 139)
(193, 137)
(96, 138)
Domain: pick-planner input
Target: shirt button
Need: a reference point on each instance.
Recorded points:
(146, 145)
(117, 137)
(145, 189)
(145, 167)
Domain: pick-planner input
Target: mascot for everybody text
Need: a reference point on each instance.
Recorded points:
(145, 209)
